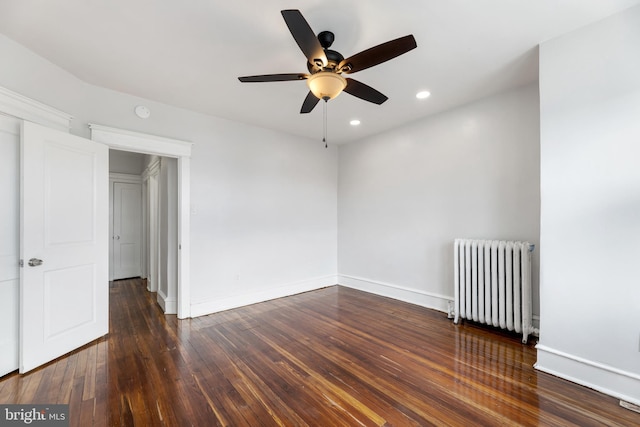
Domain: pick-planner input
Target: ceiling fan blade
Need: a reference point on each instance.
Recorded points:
(309, 103)
(273, 78)
(362, 91)
(305, 37)
(378, 54)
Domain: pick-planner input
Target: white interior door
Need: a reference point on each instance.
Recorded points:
(127, 230)
(64, 288)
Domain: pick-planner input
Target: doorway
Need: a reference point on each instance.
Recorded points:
(143, 225)
(176, 155)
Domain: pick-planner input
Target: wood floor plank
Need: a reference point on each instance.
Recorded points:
(8, 388)
(332, 357)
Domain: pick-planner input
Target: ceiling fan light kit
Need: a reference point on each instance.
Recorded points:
(326, 85)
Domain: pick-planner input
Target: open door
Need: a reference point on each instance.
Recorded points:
(64, 246)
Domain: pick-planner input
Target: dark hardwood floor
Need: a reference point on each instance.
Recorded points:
(333, 357)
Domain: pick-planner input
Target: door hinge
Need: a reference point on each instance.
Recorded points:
(21, 263)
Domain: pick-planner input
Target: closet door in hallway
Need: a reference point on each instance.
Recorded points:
(126, 256)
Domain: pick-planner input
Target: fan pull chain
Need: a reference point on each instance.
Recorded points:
(324, 128)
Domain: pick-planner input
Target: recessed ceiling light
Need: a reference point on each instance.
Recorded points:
(354, 122)
(423, 94)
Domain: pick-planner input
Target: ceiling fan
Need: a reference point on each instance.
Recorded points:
(326, 66)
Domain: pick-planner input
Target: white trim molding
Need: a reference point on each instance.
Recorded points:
(168, 305)
(152, 169)
(19, 106)
(589, 373)
(124, 177)
(413, 296)
(285, 290)
(126, 140)
(184, 238)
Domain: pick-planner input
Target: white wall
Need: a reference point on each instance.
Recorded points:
(264, 209)
(269, 204)
(405, 195)
(126, 162)
(590, 219)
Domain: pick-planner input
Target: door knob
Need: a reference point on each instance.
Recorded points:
(34, 262)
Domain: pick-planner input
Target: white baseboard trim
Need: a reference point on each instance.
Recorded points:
(213, 306)
(169, 305)
(414, 296)
(151, 286)
(595, 375)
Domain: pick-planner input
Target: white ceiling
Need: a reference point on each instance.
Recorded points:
(189, 53)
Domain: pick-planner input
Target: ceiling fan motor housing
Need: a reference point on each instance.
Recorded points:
(333, 59)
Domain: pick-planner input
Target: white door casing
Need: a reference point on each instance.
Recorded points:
(9, 242)
(145, 231)
(120, 139)
(126, 234)
(63, 222)
(154, 253)
(167, 236)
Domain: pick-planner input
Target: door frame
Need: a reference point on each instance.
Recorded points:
(150, 224)
(125, 140)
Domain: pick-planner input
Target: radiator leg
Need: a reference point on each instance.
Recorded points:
(451, 311)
